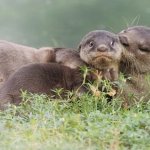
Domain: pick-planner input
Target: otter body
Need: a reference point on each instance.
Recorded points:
(102, 50)
(135, 63)
(38, 78)
(14, 56)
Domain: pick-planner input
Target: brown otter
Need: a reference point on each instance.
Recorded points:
(102, 50)
(13, 56)
(39, 78)
(136, 57)
(135, 63)
(66, 56)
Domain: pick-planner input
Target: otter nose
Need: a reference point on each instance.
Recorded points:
(102, 48)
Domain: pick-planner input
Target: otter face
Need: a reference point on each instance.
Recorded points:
(100, 49)
(136, 41)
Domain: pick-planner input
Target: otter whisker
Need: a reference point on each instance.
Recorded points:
(135, 21)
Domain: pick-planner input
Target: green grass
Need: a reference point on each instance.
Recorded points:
(88, 123)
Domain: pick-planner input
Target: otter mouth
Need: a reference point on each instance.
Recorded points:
(102, 62)
(102, 57)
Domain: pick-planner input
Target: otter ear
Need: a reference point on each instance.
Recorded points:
(123, 40)
(79, 48)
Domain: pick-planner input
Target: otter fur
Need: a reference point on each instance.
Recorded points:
(39, 78)
(102, 50)
(135, 63)
(13, 56)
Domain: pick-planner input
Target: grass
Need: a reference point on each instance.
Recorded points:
(89, 123)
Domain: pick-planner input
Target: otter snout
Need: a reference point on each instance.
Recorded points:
(102, 48)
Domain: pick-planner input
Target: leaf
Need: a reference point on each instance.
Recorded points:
(113, 92)
(95, 91)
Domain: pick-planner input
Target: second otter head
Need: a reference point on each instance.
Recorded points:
(101, 49)
(136, 56)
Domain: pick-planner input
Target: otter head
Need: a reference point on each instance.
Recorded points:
(136, 56)
(101, 49)
(68, 57)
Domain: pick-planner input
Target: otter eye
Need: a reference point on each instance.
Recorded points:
(79, 48)
(144, 49)
(91, 44)
(112, 43)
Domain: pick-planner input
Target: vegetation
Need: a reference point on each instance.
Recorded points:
(86, 123)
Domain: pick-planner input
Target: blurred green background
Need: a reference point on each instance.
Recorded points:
(63, 23)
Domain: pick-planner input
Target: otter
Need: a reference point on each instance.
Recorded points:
(136, 57)
(39, 78)
(102, 50)
(13, 56)
(66, 56)
(135, 63)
